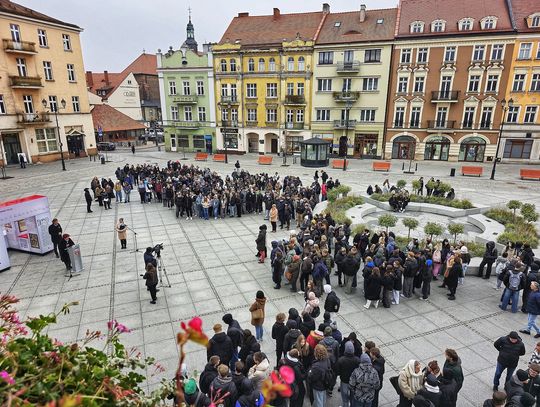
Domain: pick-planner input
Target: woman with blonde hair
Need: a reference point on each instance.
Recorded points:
(274, 217)
(437, 260)
(410, 380)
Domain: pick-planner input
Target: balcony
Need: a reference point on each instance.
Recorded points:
(348, 67)
(344, 124)
(185, 100)
(229, 100)
(25, 82)
(19, 47)
(346, 96)
(229, 123)
(187, 124)
(445, 96)
(294, 126)
(440, 124)
(295, 100)
(33, 118)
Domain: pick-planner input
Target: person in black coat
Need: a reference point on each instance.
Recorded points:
(294, 316)
(345, 365)
(249, 345)
(235, 332)
(378, 362)
(431, 390)
(63, 247)
(332, 302)
(279, 330)
(490, 255)
(510, 348)
(223, 384)
(220, 345)
(452, 277)
(209, 374)
(307, 325)
(358, 350)
(88, 199)
(55, 230)
(292, 359)
(291, 336)
(449, 389)
(373, 288)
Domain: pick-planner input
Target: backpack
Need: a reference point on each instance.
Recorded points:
(337, 303)
(316, 312)
(329, 379)
(514, 281)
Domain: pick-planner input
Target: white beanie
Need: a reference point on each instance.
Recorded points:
(327, 288)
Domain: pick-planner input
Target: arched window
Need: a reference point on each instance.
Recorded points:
(437, 26)
(272, 65)
(417, 27)
(437, 149)
(223, 65)
(488, 23)
(233, 64)
(290, 64)
(251, 65)
(261, 65)
(472, 149)
(403, 147)
(301, 64)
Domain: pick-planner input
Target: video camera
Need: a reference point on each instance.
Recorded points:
(157, 249)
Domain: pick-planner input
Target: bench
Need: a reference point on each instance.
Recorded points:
(265, 159)
(529, 173)
(219, 158)
(381, 166)
(471, 170)
(338, 164)
(201, 157)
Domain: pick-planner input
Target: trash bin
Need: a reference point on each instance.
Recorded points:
(102, 158)
(452, 172)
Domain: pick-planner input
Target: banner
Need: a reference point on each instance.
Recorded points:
(4, 258)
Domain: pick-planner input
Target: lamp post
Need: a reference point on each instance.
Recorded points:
(505, 108)
(347, 115)
(55, 111)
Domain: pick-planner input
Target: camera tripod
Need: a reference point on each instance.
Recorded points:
(161, 267)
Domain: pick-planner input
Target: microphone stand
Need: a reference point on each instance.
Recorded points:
(135, 235)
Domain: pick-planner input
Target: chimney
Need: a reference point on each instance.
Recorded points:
(243, 14)
(276, 13)
(106, 78)
(326, 8)
(89, 79)
(362, 13)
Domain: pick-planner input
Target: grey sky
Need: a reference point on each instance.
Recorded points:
(116, 31)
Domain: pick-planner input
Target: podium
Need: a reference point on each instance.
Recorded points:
(76, 259)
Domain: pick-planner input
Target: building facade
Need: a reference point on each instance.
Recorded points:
(41, 73)
(450, 67)
(263, 72)
(350, 80)
(186, 85)
(521, 134)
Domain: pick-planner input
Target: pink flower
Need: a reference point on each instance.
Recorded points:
(7, 377)
(115, 325)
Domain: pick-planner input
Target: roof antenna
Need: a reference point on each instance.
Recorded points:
(143, 51)
(189, 12)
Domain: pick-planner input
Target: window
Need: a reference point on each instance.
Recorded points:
(419, 84)
(28, 104)
(450, 54)
(71, 72)
(518, 148)
(399, 116)
(182, 140)
(224, 114)
(525, 49)
(201, 110)
(497, 52)
(488, 23)
(66, 40)
(326, 58)
(406, 56)
(519, 82)
(251, 90)
(21, 67)
(492, 83)
(174, 112)
(347, 85)
(2, 105)
(324, 85)
(535, 22)
(421, 57)
(290, 64)
(290, 89)
(233, 64)
(370, 84)
(442, 114)
(75, 104)
(485, 121)
(251, 65)
(465, 24)
(272, 65)
(372, 55)
(300, 89)
(261, 65)
(252, 115)
(468, 117)
(200, 88)
(535, 82)
(538, 53)
(186, 89)
(415, 116)
(233, 91)
(15, 32)
(198, 141)
(47, 70)
(403, 84)
(129, 81)
(271, 90)
(512, 115)
(42, 38)
(417, 27)
(478, 54)
(289, 115)
(224, 89)
(46, 140)
(474, 83)
(223, 64)
(367, 115)
(271, 115)
(301, 63)
(188, 114)
(348, 56)
(530, 114)
(234, 115)
(322, 115)
(437, 26)
(172, 87)
(300, 116)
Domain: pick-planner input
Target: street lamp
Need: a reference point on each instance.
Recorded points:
(55, 111)
(505, 108)
(347, 115)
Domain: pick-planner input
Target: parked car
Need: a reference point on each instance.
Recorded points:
(106, 146)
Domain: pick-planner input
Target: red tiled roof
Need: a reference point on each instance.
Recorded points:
(6, 6)
(145, 63)
(522, 9)
(266, 30)
(451, 11)
(351, 29)
(98, 81)
(110, 119)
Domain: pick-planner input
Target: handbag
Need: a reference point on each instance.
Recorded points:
(394, 381)
(257, 314)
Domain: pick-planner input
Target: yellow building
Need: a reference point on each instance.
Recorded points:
(263, 72)
(41, 72)
(521, 135)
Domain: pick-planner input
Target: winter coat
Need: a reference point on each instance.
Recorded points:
(226, 385)
(410, 381)
(331, 303)
(319, 271)
(490, 254)
(290, 339)
(258, 304)
(220, 345)
(258, 373)
(234, 331)
(434, 397)
(513, 387)
(317, 374)
(350, 266)
(373, 288)
(279, 330)
(122, 232)
(307, 325)
(449, 390)
(207, 377)
(364, 382)
(332, 347)
(311, 303)
(453, 275)
(509, 352)
(273, 215)
(261, 240)
(345, 367)
(293, 316)
(249, 346)
(457, 371)
(410, 267)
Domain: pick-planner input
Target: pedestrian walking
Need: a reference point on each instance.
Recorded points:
(133, 149)
(533, 310)
(55, 231)
(88, 199)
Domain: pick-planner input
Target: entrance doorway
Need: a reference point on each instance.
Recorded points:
(173, 142)
(75, 144)
(12, 147)
(365, 145)
(253, 143)
(437, 149)
(472, 149)
(274, 145)
(403, 148)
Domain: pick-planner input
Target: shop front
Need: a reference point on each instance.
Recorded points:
(437, 148)
(472, 149)
(403, 148)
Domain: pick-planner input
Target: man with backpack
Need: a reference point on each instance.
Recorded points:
(332, 302)
(514, 282)
(490, 255)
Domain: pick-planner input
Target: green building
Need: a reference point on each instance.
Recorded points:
(186, 87)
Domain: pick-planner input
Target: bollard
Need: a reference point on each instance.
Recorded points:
(402, 166)
(416, 167)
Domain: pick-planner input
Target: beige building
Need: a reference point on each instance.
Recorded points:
(41, 73)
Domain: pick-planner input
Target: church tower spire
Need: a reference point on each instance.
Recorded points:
(190, 39)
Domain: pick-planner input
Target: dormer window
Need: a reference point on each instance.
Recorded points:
(437, 26)
(465, 24)
(417, 27)
(488, 23)
(533, 21)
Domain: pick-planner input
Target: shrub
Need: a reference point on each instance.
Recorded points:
(516, 228)
(334, 193)
(528, 211)
(501, 215)
(513, 205)
(433, 229)
(456, 229)
(444, 187)
(436, 200)
(416, 186)
(338, 208)
(387, 221)
(411, 224)
(401, 183)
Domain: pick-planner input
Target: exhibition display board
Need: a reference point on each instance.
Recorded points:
(25, 222)
(4, 258)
